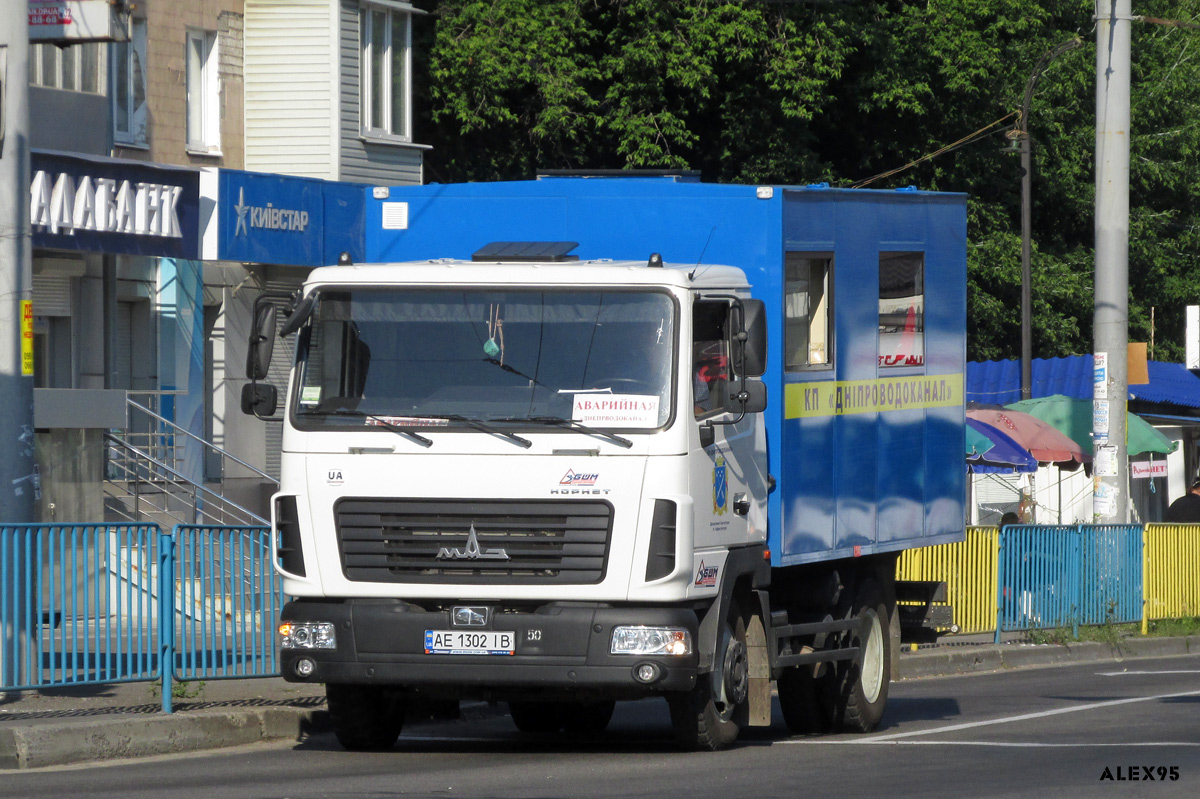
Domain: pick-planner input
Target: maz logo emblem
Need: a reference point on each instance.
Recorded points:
(466, 616)
(472, 552)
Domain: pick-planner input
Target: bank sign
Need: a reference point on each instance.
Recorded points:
(273, 219)
(114, 206)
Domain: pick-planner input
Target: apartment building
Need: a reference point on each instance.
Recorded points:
(211, 106)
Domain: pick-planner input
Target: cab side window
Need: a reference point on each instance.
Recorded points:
(710, 356)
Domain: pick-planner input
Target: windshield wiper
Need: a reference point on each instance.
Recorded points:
(404, 431)
(571, 424)
(484, 427)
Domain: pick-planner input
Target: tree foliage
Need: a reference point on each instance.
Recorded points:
(868, 92)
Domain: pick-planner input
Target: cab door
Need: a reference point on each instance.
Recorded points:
(727, 461)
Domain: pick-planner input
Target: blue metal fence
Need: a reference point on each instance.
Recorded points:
(99, 603)
(91, 604)
(226, 599)
(78, 605)
(1053, 576)
(1112, 574)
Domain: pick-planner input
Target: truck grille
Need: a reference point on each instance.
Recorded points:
(429, 540)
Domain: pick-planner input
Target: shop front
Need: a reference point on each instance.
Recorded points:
(117, 284)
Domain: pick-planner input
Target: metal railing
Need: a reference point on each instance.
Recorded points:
(969, 570)
(98, 604)
(1172, 572)
(144, 480)
(1065, 576)
(1029, 577)
(227, 600)
(78, 604)
(108, 603)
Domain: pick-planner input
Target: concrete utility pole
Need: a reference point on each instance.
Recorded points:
(18, 476)
(1111, 335)
(17, 473)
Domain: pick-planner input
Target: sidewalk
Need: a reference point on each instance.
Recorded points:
(58, 726)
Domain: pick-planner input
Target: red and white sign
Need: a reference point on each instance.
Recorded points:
(616, 410)
(76, 21)
(1141, 469)
(54, 13)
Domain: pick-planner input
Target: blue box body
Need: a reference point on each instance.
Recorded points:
(876, 474)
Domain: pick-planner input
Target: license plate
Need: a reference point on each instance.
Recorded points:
(462, 642)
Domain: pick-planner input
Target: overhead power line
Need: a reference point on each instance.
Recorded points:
(984, 131)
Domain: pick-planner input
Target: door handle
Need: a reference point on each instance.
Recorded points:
(741, 504)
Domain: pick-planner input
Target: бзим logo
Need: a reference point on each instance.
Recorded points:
(706, 576)
(572, 478)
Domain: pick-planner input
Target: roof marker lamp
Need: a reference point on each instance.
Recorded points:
(307, 635)
(651, 641)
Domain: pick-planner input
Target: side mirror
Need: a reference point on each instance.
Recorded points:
(262, 340)
(754, 326)
(259, 399)
(755, 397)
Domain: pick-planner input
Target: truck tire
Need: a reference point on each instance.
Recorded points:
(707, 718)
(587, 718)
(806, 701)
(365, 718)
(536, 718)
(864, 689)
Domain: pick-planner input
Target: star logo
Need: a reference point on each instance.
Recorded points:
(241, 209)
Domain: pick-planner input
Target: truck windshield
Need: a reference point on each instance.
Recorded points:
(424, 358)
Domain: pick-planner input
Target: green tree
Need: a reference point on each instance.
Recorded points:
(727, 88)
(882, 93)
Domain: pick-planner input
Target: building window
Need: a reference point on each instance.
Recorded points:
(76, 68)
(901, 309)
(203, 93)
(807, 311)
(129, 87)
(384, 36)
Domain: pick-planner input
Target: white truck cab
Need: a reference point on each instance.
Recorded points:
(540, 482)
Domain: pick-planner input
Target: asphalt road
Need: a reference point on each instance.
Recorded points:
(1099, 729)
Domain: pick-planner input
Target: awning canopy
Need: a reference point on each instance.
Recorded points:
(1040, 439)
(977, 442)
(1004, 455)
(1073, 418)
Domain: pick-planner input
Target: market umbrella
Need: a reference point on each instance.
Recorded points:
(977, 442)
(1004, 455)
(1073, 417)
(1040, 439)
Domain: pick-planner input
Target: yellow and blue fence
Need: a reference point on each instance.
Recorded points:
(97, 604)
(1172, 572)
(1027, 577)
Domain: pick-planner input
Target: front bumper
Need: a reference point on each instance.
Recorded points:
(559, 646)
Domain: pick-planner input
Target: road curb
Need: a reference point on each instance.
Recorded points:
(950, 661)
(126, 735)
(58, 744)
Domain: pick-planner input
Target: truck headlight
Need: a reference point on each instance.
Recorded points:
(651, 641)
(307, 635)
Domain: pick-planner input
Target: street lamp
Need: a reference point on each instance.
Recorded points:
(1021, 136)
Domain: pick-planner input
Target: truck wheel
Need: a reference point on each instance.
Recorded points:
(365, 718)
(536, 717)
(587, 718)
(805, 700)
(707, 717)
(865, 687)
